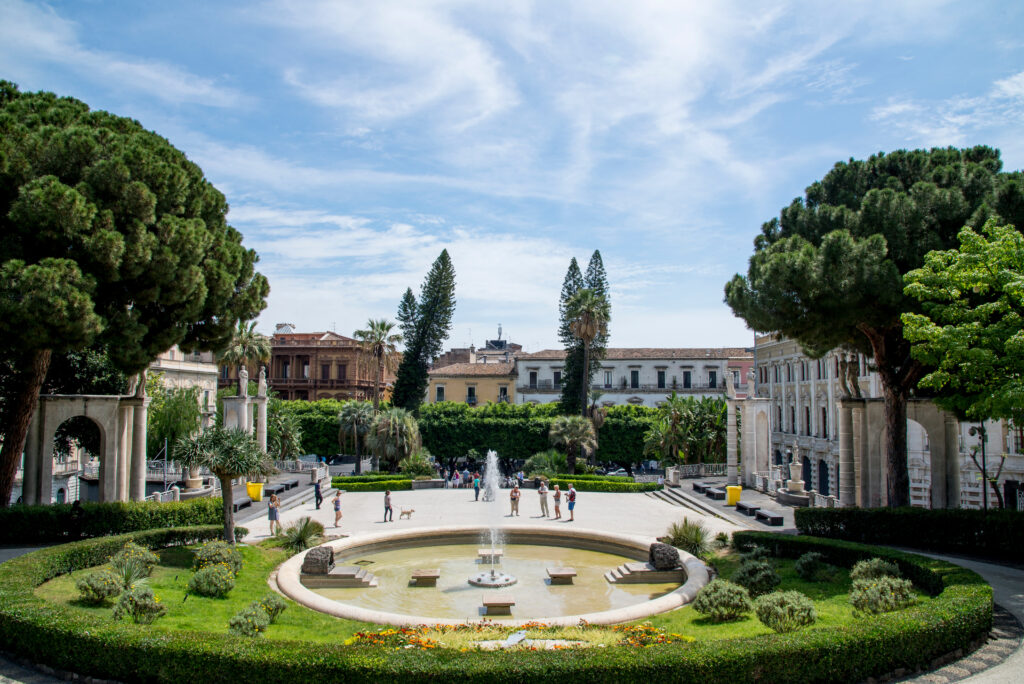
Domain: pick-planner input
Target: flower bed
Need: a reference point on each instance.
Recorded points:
(958, 615)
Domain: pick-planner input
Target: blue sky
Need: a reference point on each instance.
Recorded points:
(355, 140)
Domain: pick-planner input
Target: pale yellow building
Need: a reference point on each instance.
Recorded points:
(473, 383)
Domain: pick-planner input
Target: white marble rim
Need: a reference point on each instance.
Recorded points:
(696, 576)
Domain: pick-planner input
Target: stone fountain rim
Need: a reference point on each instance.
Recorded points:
(696, 577)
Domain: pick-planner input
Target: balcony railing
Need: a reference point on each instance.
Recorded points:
(549, 386)
(471, 399)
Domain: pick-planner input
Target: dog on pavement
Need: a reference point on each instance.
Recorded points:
(406, 513)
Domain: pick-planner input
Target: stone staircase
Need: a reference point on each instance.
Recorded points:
(636, 572)
(342, 577)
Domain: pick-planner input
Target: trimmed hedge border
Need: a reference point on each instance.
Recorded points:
(374, 486)
(602, 485)
(911, 638)
(371, 478)
(996, 534)
(59, 523)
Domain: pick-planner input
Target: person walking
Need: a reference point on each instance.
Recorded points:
(389, 513)
(571, 498)
(455, 480)
(542, 490)
(476, 487)
(274, 514)
(318, 496)
(337, 508)
(514, 498)
(557, 496)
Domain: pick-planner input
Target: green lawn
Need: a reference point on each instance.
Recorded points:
(198, 613)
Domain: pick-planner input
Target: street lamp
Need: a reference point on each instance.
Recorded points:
(979, 430)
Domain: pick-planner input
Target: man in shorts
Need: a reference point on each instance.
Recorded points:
(571, 496)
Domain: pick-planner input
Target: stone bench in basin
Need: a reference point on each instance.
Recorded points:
(561, 575)
(498, 604)
(425, 577)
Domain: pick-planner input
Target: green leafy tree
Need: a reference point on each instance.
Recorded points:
(668, 435)
(393, 437)
(971, 330)
(828, 272)
(227, 453)
(284, 431)
(589, 313)
(378, 342)
(173, 413)
(246, 347)
(112, 238)
(354, 420)
(434, 313)
(572, 368)
(576, 434)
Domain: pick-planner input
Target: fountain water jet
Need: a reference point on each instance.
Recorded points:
(491, 487)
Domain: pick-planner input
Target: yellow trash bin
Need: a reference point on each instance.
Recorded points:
(732, 495)
(254, 490)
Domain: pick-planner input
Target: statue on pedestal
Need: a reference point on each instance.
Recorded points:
(262, 390)
(243, 382)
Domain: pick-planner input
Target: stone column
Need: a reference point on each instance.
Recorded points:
(137, 486)
(952, 432)
(847, 486)
(261, 422)
(730, 443)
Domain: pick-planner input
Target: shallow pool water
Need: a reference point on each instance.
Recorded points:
(454, 597)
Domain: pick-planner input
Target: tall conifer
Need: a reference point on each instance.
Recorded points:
(571, 369)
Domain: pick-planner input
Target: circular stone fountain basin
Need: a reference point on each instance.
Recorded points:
(528, 552)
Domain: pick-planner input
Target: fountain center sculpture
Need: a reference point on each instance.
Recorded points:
(491, 485)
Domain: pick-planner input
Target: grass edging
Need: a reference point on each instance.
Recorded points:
(46, 633)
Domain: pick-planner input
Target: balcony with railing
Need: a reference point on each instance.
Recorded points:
(694, 388)
(471, 399)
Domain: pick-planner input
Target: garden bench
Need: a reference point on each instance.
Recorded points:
(699, 487)
(561, 575)
(485, 555)
(768, 518)
(241, 502)
(498, 604)
(273, 489)
(425, 577)
(291, 484)
(716, 493)
(747, 508)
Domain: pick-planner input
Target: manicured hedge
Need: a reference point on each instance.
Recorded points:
(603, 485)
(67, 639)
(603, 478)
(995, 534)
(373, 486)
(369, 478)
(59, 522)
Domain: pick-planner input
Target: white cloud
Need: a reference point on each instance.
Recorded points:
(32, 34)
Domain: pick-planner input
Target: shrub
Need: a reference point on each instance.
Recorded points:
(395, 485)
(250, 622)
(758, 576)
(990, 534)
(873, 569)
(219, 553)
(754, 552)
(213, 580)
(304, 534)
(722, 601)
(98, 586)
(273, 605)
(785, 611)
(624, 485)
(416, 465)
(810, 565)
(691, 537)
(881, 595)
(130, 572)
(721, 540)
(132, 552)
(140, 605)
(366, 477)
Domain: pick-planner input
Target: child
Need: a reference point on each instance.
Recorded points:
(337, 508)
(274, 514)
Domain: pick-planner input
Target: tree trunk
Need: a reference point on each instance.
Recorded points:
(585, 378)
(896, 471)
(359, 455)
(228, 499)
(570, 459)
(24, 405)
(376, 384)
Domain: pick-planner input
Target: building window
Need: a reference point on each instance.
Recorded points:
(533, 379)
(778, 419)
(503, 393)
(439, 393)
(789, 372)
(285, 367)
(687, 380)
(471, 395)
(792, 419)
(735, 378)
(61, 496)
(224, 370)
(325, 371)
(824, 422)
(342, 371)
(558, 379)
(712, 379)
(206, 399)
(634, 379)
(305, 370)
(661, 379)
(807, 420)
(607, 379)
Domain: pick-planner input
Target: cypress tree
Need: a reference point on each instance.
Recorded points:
(597, 280)
(407, 315)
(432, 321)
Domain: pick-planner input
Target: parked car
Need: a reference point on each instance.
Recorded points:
(620, 472)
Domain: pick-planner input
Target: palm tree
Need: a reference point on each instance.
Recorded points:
(393, 436)
(588, 314)
(227, 453)
(355, 420)
(576, 433)
(379, 342)
(246, 346)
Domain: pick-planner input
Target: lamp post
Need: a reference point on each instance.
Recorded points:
(979, 430)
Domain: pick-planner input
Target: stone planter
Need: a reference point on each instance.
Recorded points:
(428, 484)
